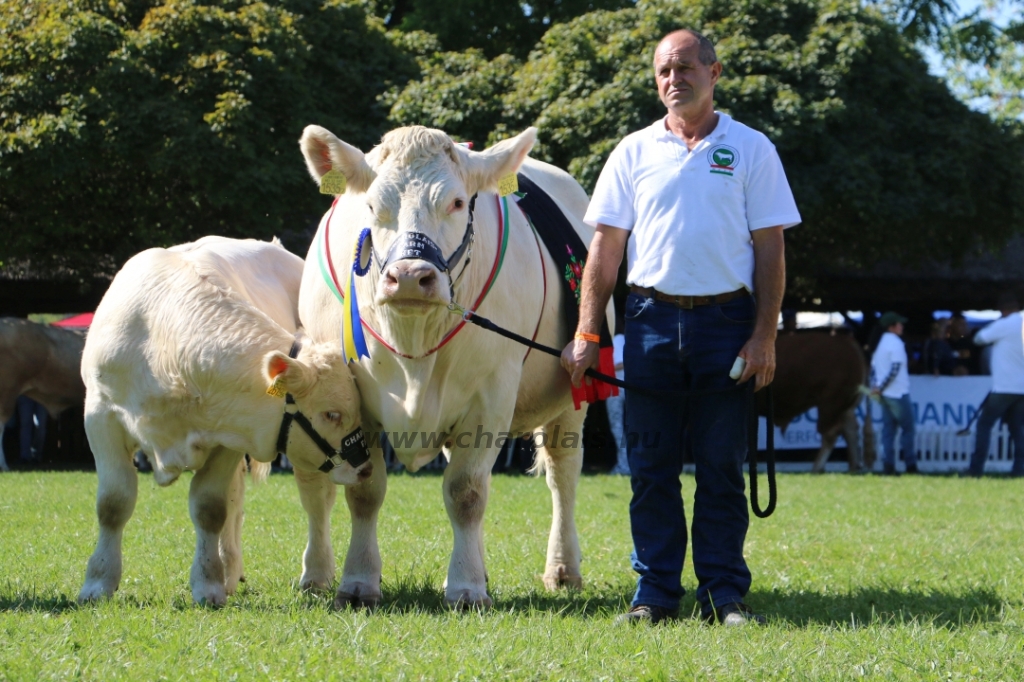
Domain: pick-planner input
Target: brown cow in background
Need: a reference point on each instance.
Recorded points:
(41, 362)
(825, 370)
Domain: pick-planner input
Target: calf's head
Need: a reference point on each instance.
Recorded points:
(325, 393)
(415, 192)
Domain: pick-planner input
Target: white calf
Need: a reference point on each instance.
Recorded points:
(177, 364)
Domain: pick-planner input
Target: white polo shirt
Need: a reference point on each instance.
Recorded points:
(692, 212)
(890, 350)
(1007, 333)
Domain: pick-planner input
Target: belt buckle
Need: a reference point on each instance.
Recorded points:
(684, 302)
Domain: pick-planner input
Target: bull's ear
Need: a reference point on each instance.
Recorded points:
(286, 375)
(325, 152)
(485, 169)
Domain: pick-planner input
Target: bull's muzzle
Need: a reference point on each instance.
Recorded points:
(412, 281)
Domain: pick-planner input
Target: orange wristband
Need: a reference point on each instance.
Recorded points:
(593, 338)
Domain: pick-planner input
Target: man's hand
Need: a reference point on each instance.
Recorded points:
(759, 352)
(578, 357)
(769, 285)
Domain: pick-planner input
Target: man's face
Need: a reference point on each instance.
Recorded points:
(897, 329)
(685, 85)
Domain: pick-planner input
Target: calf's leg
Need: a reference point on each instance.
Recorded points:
(231, 535)
(360, 578)
(208, 506)
(118, 484)
(317, 494)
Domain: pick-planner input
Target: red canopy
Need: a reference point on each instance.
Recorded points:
(81, 321)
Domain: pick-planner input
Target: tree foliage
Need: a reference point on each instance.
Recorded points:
(883, 160)
(493, 26)
(125, 125)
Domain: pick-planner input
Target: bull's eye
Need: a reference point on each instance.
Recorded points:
(333, 417)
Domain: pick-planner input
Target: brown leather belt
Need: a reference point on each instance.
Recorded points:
(687, 302)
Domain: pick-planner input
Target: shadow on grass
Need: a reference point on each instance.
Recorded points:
(880, 606)
(25, 601)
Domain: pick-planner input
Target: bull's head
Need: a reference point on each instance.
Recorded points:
(415, 192)
(325, 392)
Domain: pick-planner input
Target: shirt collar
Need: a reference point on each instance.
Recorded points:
(660, 130)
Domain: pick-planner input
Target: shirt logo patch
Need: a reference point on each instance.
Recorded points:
(723, 159)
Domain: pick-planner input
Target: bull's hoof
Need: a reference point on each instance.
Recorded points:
(95, 590)
(316, 586)
(356, 596)
(209, 594)
(559, 577)
(468, 599)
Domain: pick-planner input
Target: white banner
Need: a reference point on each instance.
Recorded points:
(946, 403)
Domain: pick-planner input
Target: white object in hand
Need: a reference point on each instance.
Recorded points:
(737, 368)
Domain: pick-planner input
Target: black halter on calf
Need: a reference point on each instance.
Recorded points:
(353, 446)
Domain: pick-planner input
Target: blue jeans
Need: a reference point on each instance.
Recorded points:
(32, 428)
(671, 349)
(898, 412)
(1010, 408)
(615, 405)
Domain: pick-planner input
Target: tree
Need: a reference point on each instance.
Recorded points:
(883, 160)
(137, 124)
(493, 26)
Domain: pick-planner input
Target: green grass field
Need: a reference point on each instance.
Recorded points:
(861, 577)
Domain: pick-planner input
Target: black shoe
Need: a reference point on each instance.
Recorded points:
(889, 470)
(651, 615)
(737, 615)
(912, 469)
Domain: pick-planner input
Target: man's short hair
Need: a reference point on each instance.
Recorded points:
(706, 52)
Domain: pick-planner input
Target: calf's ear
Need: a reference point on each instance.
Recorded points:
(325, 152)
(285, 374)
(484, 169)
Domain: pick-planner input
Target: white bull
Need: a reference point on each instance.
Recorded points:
(177, 363)
(467, 391)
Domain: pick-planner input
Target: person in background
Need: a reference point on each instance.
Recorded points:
(1006, 400)
(890, 385)
(963, 345)
(939, 356)
(31, 428)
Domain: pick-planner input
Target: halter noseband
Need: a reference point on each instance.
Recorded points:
(353, 446)
(418, 246)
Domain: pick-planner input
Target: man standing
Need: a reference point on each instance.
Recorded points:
(890, 384)
(706, 201)
(1006, 401)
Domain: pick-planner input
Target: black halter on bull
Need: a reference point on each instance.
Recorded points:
(418, 246)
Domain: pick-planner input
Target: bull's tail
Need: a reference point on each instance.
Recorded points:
(259, 471)
(541, 462)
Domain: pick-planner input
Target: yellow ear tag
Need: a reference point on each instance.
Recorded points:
(332, 182)
(508, 184)
(276, 389)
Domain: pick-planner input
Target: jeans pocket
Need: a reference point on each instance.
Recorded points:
(738, 311)
(636, 305)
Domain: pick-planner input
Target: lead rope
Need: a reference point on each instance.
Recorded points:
(752, 426)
